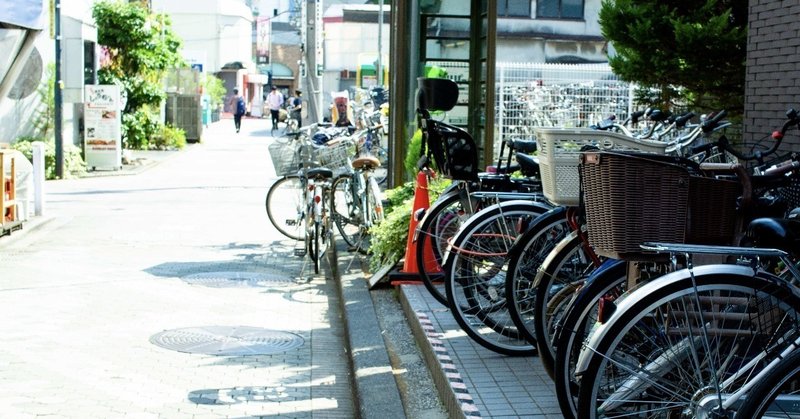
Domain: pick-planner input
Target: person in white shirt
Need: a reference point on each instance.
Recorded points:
(274, 101)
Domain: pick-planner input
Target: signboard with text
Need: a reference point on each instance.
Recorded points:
(102, 127)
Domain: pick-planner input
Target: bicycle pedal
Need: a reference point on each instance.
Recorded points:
(300, 252)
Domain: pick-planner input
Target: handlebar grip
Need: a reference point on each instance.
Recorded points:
(702, 148)
(710, 124)
(683, 119)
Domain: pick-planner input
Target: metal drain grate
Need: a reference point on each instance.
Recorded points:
(233, 279)
(227, 340)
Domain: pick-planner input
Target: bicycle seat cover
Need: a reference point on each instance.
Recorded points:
(323, 172)
(436, 94)
(777, 233)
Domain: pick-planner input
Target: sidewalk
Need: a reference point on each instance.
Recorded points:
(235, 267)
(163, 292)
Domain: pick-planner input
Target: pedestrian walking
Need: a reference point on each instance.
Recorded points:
(275, 102)
(297, 107)
(239, 109)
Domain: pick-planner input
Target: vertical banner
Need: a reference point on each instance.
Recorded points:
(102, 127)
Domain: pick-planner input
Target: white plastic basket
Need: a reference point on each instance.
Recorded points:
(559, 157)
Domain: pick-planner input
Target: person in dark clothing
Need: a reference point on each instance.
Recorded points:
(239, 109)
(297, 108)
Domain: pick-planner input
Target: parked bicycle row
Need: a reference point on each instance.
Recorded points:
(652, 270)
(329, 175)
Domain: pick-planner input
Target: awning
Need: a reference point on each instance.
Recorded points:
(22, 13)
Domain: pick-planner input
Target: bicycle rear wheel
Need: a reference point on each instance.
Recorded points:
(285, 206)
(347, 211)
(680, 343)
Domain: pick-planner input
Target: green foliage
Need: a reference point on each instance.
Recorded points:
(44, 120)
(169, 138)
(73, 162)
(690, 52)
(388, 243)
(141, 47)
(215, 89)
(138, 128)
(389, 238)
(410, 163)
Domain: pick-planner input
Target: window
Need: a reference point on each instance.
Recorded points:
(514, 8)
(560, 9)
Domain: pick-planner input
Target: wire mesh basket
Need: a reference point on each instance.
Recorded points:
(286, 157)
(336, 157)
(632, 198)
(559, 157)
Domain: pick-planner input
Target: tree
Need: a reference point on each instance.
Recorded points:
(140, 47)
(680, 50)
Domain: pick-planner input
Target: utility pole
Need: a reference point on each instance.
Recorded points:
(379, 69)
(57, 98)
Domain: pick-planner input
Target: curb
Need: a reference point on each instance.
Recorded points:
(375, 388)
(449, 384)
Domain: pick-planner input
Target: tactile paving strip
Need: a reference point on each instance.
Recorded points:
(227, 340)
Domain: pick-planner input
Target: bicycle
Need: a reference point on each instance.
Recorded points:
(752, 316)
(356, 200)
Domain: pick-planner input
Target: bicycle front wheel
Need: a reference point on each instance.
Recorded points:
(475, 271)
(285, 206)
(525, 259)
(679, 344)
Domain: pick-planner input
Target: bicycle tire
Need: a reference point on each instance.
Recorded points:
(440, 223)
(475, 276)
(565, 268)
(525, 258)
(644, 352)
(381, 172)
(346, 210)
(316, 254)
(575, 326)
(287, 218)
(783, 381)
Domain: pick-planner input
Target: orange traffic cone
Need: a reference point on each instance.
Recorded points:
(421, 203)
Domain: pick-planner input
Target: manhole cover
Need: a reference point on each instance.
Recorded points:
(233, 279)
(227, 340)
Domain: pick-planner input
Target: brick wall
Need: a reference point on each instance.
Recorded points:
(773, 68)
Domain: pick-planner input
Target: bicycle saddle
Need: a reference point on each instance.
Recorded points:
(322, 172)
(368, 161)
(526, 146)
(777, 233)
(529, 165)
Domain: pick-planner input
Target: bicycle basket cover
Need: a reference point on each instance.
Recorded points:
(320, 138)
(453, 150)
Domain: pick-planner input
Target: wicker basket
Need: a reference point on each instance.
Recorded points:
(559, 156)
(632, 198)
(285, 157)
